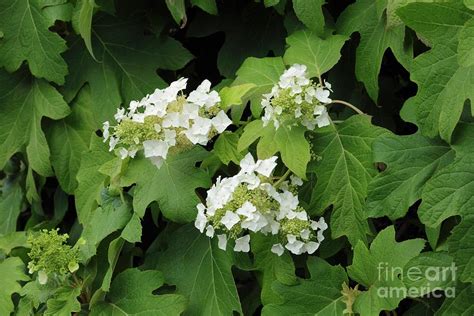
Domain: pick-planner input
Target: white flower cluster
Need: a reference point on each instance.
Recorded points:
(166, 119)
(249, 202)
(297, 97)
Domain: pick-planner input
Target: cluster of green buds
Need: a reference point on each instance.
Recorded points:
(167, 121)
(297, 98)
(250, 202)
(50, 256)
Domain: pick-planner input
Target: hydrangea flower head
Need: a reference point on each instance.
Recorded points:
(51, 256)
(250, 203)
(167, 121)
(297, 97)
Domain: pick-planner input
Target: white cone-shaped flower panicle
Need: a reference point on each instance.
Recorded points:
(297, 98)
(249, 203)
(167, 121)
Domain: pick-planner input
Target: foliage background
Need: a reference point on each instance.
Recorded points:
(395, 187)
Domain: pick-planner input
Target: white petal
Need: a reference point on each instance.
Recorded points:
(221, 121)
(42, 277)
(210, 231)
(155, 148)
(278, 249)
(311, 247)
(242, 244)
(265, 167)
(222, 244)
(230, 219)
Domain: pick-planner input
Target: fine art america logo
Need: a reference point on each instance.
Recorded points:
(416, 281)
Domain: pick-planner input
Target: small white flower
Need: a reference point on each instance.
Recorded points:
(311, 247)
(296, 181)
(278, 249)
(320, 236)
(230, 219)
(322, 118)
(155, 148)
(294, 246)
(210, 231)
(242, 244)
(221, 121)
(323, 95)
(265, 167)
(222, 241)
(106, 133)
(113, 142)
(123, 153)
(247, 209)
(120, 115)
(42, 277)
(201, 219)
(305, 234)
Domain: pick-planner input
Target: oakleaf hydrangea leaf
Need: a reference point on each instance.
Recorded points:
(208, 283)
(24, 101)
(367, 17)
(12, 202)
(172, 186)
(318, 295)
(64, 302)
(311, 14)
(443, 84)
(319, 55)
(90, 179)
(380, 267)
(273, 267)
(411, 161)
(11, 272)
(26, 37)
(69, 138)
(112, 215)
(287, 140)
(344, 171)
(82, 21)
(264, 73)
(448, 193)
(126, 66)
(122, 300)
(460, 247)
(461, 304)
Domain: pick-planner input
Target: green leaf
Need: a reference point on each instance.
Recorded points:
(26, 38)
(311, 14)
(273, 268)
(82, 21)
(178, 10)
(264, 73)
(24, 101)
(12, 202)
(90, 180)
(122, 300)
(319, 55)
(344, 172)
(448, 193)
(69, 138)
(287, 139)
(64, 302)
(411, 161)
(294, 148)
(208, 283)
(460, 303)
(111, 216)
(429, 272)
(318, 295)
(379, 269)
(460, 247)
(366, 17)
(234, 95)
(225, 148)
(12, 241)
(126, 66)
(466, 44)
(11, 272)
(172, 186)
(443, 85)
(207, 5)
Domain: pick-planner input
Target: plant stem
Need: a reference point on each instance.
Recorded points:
(348, 105)
(282, 178)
